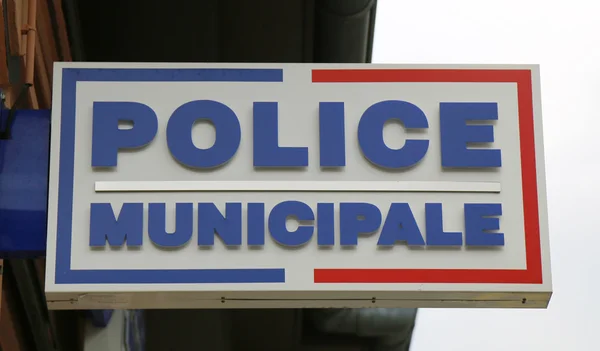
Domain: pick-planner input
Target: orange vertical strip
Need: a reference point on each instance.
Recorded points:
(31, 41)
(42, 84)
(23, 8)
(45, 34)
(61, 27)
(14, 15)
(4, 78)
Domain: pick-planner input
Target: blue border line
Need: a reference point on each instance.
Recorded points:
(64, 274)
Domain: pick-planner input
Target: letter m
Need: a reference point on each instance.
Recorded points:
(125, 228)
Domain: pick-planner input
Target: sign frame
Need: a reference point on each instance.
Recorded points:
(530, 287)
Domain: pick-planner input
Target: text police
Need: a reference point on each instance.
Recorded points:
(481, 220)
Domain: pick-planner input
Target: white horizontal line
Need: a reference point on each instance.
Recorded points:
(297, 186)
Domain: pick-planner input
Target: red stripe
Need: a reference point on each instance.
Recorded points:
(529, 179)
(391, 275)
(413, 75)
(533, 273)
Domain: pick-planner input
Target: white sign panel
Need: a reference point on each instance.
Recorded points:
(295, 185)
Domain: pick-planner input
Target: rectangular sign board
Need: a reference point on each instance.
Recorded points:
(296, 185)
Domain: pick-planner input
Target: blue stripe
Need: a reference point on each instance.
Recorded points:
(177, 75)
(64, 273)
(175, 276)
(65, 175)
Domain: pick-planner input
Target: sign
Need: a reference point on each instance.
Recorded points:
(294, 185)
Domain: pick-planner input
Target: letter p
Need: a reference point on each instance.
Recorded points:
(108, 138)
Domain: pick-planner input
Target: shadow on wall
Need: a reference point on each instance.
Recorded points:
(280, 329)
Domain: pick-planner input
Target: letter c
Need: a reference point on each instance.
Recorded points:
(370, 134)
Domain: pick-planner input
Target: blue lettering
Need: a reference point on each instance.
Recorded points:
(434, 227)
(184, 222)
(370, 134)
(227, 131)
(277, 223)
(211, 222)
(108, 138)
(400, 225)
(127, 228)
(456, 134)
(357, 218)
(479, 220)
(325, 224)
(256, 224)
(267, 152)
(332, 138)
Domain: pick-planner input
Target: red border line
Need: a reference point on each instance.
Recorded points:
(533, 273)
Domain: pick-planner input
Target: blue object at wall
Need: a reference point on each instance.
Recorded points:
(100, 318)
(24, 185)
(24, 190)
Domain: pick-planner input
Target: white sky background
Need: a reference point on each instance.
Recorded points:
(564, 38)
